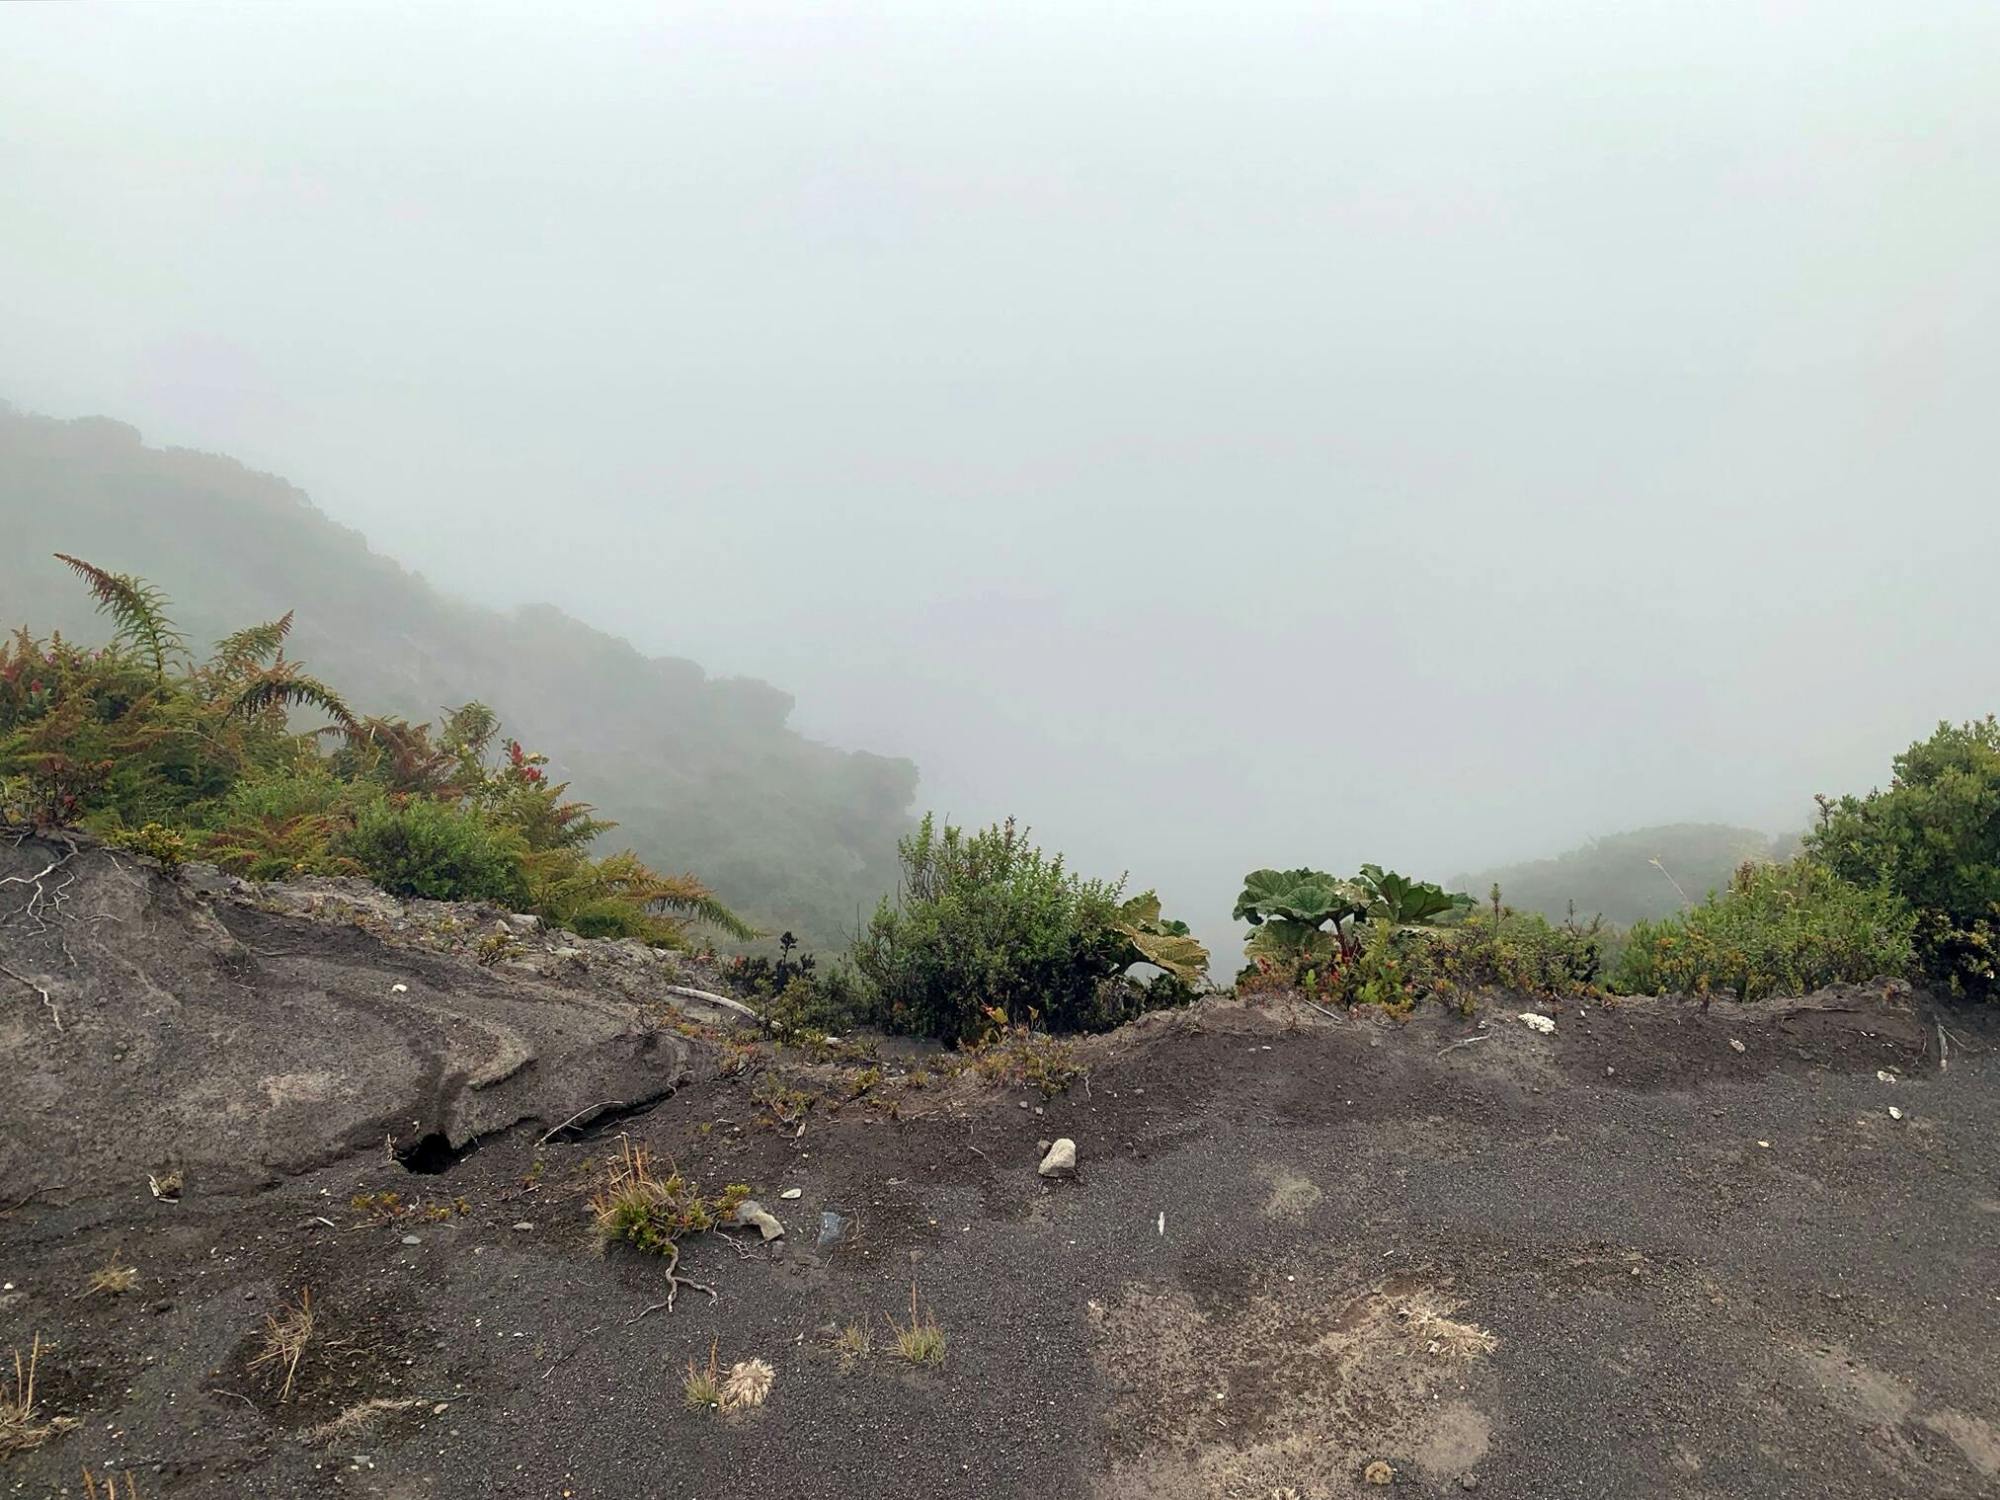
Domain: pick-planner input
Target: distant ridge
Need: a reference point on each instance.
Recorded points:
(701, 773)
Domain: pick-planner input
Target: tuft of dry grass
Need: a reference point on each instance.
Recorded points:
(286, 1334)
(20, 1428)
(921, 1341)
(1428, 1317)
(357, 1417)
(113, 1280)
(703, 1386)
(748, 1383)
(111, 1491)
(853, 1344)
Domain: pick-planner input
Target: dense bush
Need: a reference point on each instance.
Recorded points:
(1394, 965)
(987, 925)
(142, 743)
(1934, 839)
(1777, 930)
(435, 850)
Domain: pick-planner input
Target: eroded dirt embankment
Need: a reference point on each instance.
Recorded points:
(1657, 1252)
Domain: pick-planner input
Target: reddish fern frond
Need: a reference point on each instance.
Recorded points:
(285, 686)
(137, 608)
(253, 646)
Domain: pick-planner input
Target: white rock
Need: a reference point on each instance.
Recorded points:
(1895, 1113)
(1534, 1019)
(750, 1214)
(1883, 1075)
(399, 989)
(1061, 1160)
(791, 1193)
(1734, 1045)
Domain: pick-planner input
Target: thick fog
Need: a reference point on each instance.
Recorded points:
(1225, 435)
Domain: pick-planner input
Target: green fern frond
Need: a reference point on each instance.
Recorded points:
(138, 609)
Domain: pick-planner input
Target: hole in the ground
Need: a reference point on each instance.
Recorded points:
(433, 1154)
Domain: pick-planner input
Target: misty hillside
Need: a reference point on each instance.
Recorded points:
(701, 773)
(1616, 877)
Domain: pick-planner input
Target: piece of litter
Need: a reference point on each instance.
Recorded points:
(1537, 1022)
(1895, 1113)
(1883, 1075)
(1163, 1223)
(1766, 1145)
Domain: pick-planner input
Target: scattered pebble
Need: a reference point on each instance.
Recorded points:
(1061, 1160)
(1764, 1145)
(1735, 1046)
(524, 1226)
(1379, 1473)
(1883, 1075)
(791, 1193)
(1895, 1113)
(1534, 1021)
(399, 989)
(411, 1239)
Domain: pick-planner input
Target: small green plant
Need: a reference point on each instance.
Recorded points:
(853, 1344)
(921, 1341)
(702, 1389)
(654, 1213)
(169, 847)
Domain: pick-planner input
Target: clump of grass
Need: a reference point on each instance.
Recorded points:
(286, 1334)
(703, 1386)
(112, 1280)
(921, 1341)
(654, 1213)
(20, 1428)
(111, 1491)
(853, 1344)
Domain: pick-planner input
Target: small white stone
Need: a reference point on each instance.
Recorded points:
(1535, 1021)
(792, 1193)
(1895, 1113)
(1061, 1160)
(399, 989)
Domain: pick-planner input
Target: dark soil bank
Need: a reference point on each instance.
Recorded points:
(1655, 1253)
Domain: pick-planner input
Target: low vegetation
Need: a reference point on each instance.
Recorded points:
(182, 758)
(287, 1334)
(986, 923)
(1777, 930)
(921, 1341)
(638, 1206)
(22, 1424)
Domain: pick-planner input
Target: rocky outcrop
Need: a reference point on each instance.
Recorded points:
(205, 1025)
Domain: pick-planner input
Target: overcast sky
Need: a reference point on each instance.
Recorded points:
(1227, 435)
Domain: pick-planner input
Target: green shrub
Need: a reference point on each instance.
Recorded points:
(1498, 949)
(1933, 838)
(987, 924)
(438, 851)
(1778, 930)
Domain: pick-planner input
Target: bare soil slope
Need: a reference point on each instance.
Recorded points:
(1657, 1252)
